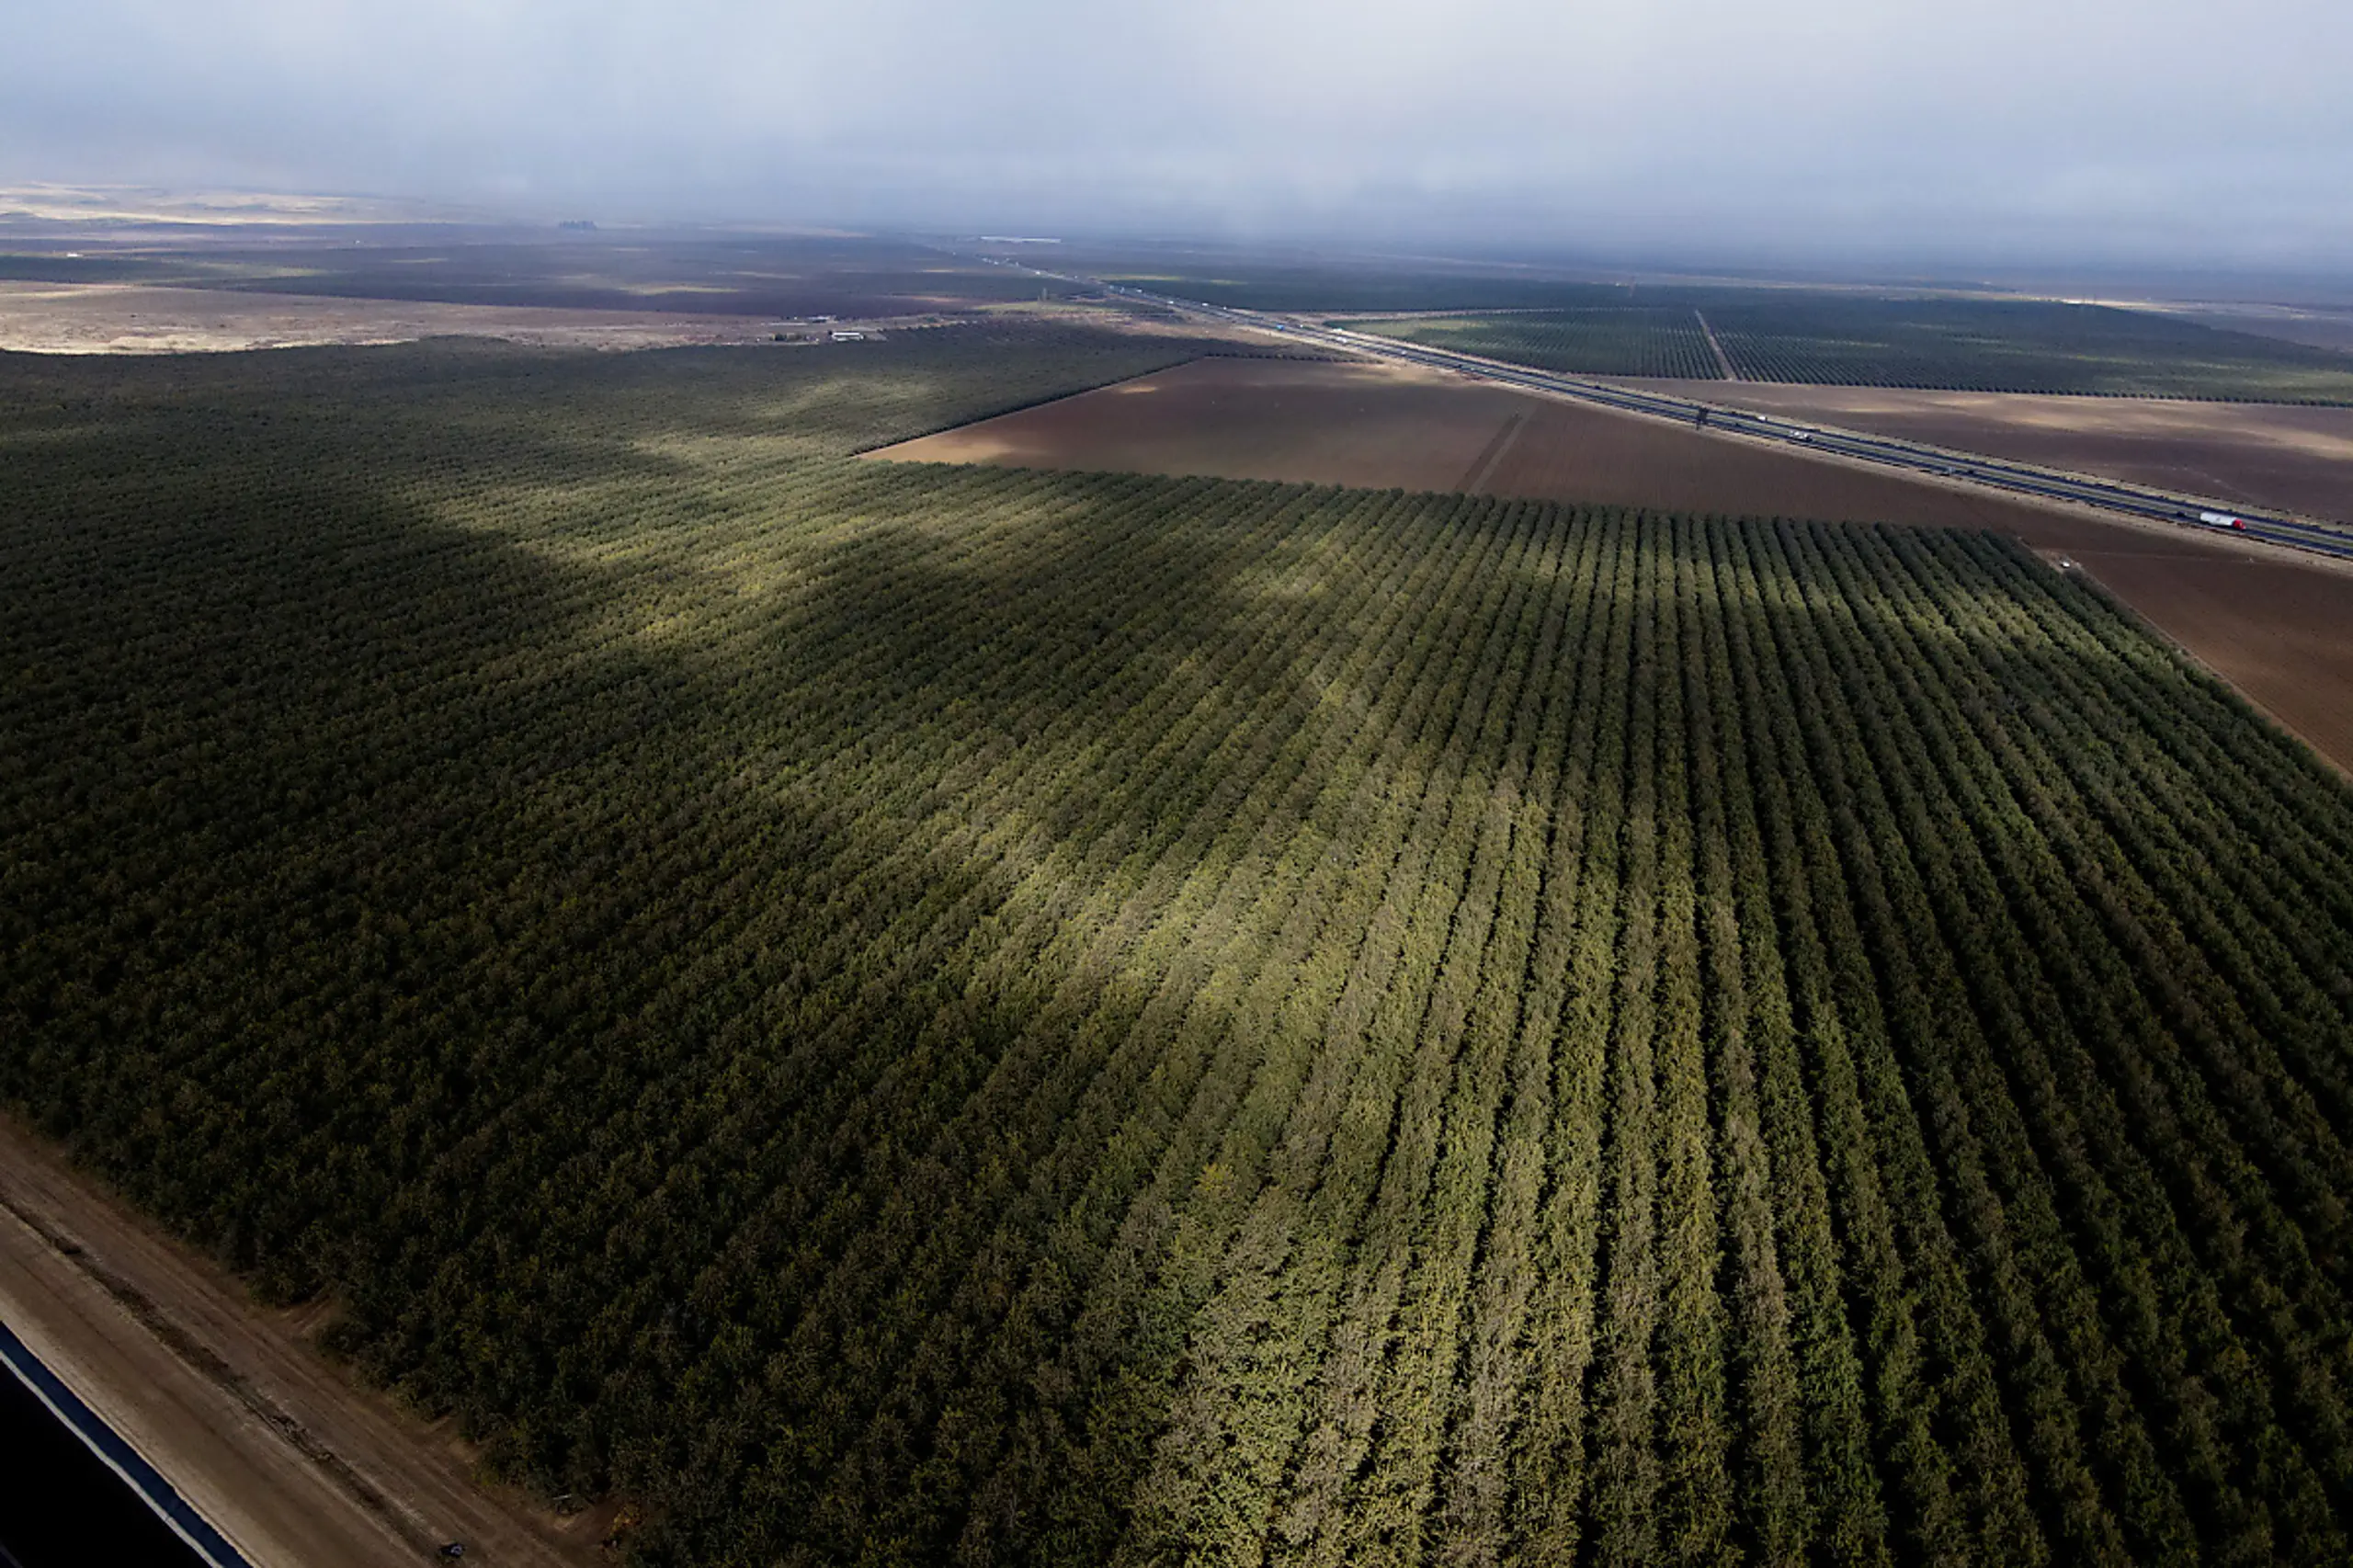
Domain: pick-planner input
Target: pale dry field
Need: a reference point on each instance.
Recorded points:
(2316, 327)
(113, 318)
(2260, 456)
(130, 318)
(2276, 625)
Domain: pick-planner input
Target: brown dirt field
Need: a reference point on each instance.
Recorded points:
(2273, 623)
(1334, 424)
(291, 1461)
(2255, 455)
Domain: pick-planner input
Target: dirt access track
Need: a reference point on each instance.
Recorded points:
(2278, 625)
(288, 1460)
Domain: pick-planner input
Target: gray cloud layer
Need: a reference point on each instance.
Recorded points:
(2143, 130)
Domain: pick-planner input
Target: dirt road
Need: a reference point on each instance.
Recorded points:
(286, 1457)
(1723, 360)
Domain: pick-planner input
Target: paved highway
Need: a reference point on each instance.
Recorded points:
(2017, 478)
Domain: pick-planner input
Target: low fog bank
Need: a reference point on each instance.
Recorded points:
(2125, 134)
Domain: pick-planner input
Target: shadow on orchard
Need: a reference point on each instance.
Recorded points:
(446, 407)
(562, 998)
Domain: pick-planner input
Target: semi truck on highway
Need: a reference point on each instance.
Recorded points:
(2222, 520)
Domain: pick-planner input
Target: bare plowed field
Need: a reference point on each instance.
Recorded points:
(2279, 630)
(1372, 425)
(2255, 455)
(2273, 624)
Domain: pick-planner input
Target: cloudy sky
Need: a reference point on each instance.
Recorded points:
(2200, 131)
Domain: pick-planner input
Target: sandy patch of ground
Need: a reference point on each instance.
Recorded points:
(110, 318)
(2261, 456)
(2279, 626)
(298, 1468)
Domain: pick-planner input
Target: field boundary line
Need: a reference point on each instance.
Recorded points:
(1483, 467)
(1064, 395)
(1723, 360)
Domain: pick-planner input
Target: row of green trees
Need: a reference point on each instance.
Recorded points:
(1852, 340)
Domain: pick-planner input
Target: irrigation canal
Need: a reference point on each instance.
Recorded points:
(74, 1493)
